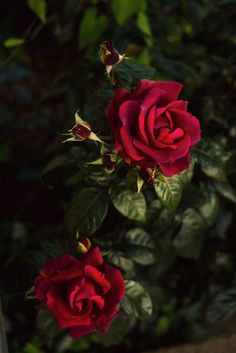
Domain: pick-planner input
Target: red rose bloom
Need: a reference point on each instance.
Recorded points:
(152, 128)
(83, 294)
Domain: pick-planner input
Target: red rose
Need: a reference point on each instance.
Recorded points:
(83, 294)
(152, 128)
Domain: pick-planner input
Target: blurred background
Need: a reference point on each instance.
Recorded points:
(49, 66)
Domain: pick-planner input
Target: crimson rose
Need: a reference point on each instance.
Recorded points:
(152, 128)
(83, 294)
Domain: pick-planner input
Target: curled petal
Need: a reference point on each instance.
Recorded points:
(188, 123)
(98, 277)
(65, 316)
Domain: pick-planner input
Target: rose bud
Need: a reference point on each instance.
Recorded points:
(81, 132)
(148, 175)
(108, 162)
(109, 54)
(83, 294)
(152, 127)
(110, 57)
(83, 245)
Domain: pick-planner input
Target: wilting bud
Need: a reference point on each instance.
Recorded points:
(82, 245)
(81, 132)
(109, 54)
(148, 175)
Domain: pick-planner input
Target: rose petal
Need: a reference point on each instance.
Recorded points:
(169, 169)
(128, 112)
(153, 97)
(121, 95)
(61, 310)
(41, 287)
(98, 300)
(68, 274)
(142, 88)
(179, 104)
(188, 123)
(150, 123)
(104, 322)
(117, 291)
(98, 277)
(176, 134)
(80, 288)
(171, 88)
(154, 154)
(51, 267)
(182, 149)
(113, 298)
(128, 146)
(93, 257)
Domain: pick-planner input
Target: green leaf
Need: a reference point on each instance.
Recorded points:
(31, 348)
(87, 211)
(137, 301)
(128, 74)
(209, 204)
(189, 240)
(159, 218)
(187, 175)
(56, 163)
(169, 191)
(117, 331)
(121, 260)
(130, 204)
(143, 23)
(13, 42)
(46, 323)
(91, 27)
(210, 157)
(53, 246)
(140, 246)
(223, 306)
(123, 9)
(39, 7)
(226, 190)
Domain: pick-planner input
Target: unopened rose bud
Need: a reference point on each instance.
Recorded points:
(81, 132)
(108, 162)
(110, 57)
(109, 54)
(83, 245)
(148, 175)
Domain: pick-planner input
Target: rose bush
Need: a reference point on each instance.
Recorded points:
(151, 127)
(83, 294)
